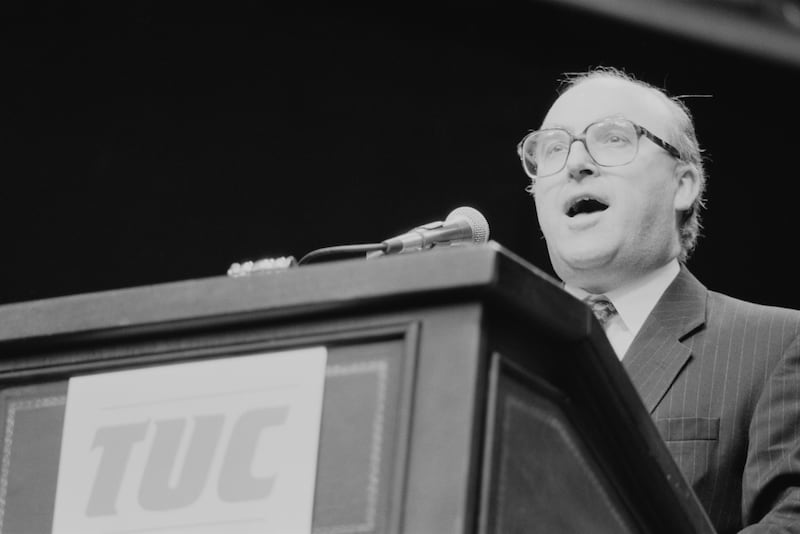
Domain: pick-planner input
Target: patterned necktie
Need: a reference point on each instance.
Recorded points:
(602, 308)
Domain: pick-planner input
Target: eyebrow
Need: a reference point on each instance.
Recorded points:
(551, 126)
(599, 119)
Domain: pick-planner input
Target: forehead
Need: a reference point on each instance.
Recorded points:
(598, 98)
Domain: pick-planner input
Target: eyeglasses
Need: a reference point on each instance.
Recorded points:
(610, 142)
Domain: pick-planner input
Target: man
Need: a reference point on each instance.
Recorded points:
(618, 183)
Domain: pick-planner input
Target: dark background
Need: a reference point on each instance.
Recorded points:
(138, 150)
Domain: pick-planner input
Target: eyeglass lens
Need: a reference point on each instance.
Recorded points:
(611, 142)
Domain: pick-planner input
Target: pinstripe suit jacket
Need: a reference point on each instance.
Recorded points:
(721, 378)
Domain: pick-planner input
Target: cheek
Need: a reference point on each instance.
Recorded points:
(545, 210)
(649, 216)
(651, 201)
(544, 198)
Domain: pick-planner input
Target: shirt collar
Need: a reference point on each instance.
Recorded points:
(635, 300)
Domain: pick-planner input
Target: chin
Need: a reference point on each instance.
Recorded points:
(591, 257)
(581, 267)
(596, 280)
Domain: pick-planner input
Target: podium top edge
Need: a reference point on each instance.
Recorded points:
(330, 284)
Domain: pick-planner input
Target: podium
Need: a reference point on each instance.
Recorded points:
(465, 392)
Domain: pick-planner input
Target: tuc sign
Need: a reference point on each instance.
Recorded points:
(226, 445)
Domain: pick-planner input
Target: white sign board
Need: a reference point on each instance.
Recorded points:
(215, 446)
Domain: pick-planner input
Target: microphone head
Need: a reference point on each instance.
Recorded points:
(478, 224)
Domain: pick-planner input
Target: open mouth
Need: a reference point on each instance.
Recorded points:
(585, 205)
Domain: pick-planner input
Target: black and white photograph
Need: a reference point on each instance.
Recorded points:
(445, 267)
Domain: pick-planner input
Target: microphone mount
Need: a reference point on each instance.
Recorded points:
(463, 225)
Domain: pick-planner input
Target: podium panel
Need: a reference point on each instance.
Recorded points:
(364, 388)
(543, 475)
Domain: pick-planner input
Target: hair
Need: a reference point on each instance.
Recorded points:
(681, 135)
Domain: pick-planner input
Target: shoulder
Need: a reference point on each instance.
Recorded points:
(753, 323)
(726, 319)
(732, 306)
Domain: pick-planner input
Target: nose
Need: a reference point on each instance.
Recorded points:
(580, 163)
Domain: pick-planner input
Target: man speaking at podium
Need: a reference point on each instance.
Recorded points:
(618, 183)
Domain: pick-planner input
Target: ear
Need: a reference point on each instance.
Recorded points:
(688, 186)
(530, 189)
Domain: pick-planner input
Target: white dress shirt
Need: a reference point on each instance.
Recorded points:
(633, 302)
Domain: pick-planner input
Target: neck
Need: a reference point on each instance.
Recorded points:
(598, 283)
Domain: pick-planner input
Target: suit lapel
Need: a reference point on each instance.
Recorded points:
(657, 354)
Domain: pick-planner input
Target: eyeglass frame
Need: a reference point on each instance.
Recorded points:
(640, 131)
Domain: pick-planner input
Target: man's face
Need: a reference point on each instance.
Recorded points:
(638, 231)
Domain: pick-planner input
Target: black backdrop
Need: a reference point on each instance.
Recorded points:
(138, 151)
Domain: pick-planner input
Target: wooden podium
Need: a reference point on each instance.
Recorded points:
(465, 392)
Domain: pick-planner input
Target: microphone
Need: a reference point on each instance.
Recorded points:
(463, 225)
